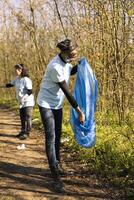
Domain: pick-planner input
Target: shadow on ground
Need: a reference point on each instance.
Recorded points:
(36, 179)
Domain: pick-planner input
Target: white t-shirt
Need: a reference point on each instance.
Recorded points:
(22, 85)
(50, 94)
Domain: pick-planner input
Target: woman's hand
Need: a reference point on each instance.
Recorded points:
(81, 116)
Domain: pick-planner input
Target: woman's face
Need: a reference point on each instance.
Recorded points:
(18, 72)
(71, 55)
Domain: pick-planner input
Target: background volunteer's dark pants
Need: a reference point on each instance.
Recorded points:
(26, 119)
(52, 121)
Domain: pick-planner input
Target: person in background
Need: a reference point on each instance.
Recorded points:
(53, 88)
(23, 85)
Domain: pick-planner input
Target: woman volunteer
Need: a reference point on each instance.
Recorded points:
(25, 97)
(50, 99)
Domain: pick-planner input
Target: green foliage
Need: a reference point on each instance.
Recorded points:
(113, 154)
(9, 102)
(37, 119)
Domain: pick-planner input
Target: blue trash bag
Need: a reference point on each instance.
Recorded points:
(85, 93)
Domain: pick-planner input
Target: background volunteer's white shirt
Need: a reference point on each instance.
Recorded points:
(50, 94)
(22, 85)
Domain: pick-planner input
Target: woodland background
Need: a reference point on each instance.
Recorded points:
(104, 32)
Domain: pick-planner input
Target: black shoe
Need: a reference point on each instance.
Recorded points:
(58, 186)
(61, 170)
(54, 172)
(23, 136)
(20, 133)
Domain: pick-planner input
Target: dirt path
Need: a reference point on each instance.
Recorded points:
(24, 174)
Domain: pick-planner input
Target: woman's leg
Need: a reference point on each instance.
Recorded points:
(23, 115)
(47, 117)
(58, 131)
(49, 128)
(29, 111)
(23, 120)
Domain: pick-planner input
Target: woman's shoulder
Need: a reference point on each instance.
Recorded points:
(53, 60)
(16, 79)
(54, 63)
(26, 79)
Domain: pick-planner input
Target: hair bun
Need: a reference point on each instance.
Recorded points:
(66, 45)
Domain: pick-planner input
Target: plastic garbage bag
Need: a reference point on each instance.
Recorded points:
(85, 93)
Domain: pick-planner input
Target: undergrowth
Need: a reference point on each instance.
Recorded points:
(113, 155)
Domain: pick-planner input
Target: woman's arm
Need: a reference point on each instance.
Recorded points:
(29, 91)
(28, 85)
(74, 70)
(72, 101)
(9, 85)
(65, 89)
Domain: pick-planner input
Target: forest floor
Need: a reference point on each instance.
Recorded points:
(24, 173)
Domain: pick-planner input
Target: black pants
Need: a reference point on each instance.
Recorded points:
(52, 121)
(26, 119)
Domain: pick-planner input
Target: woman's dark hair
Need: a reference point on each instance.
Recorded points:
(25, 72)
(66, 45)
